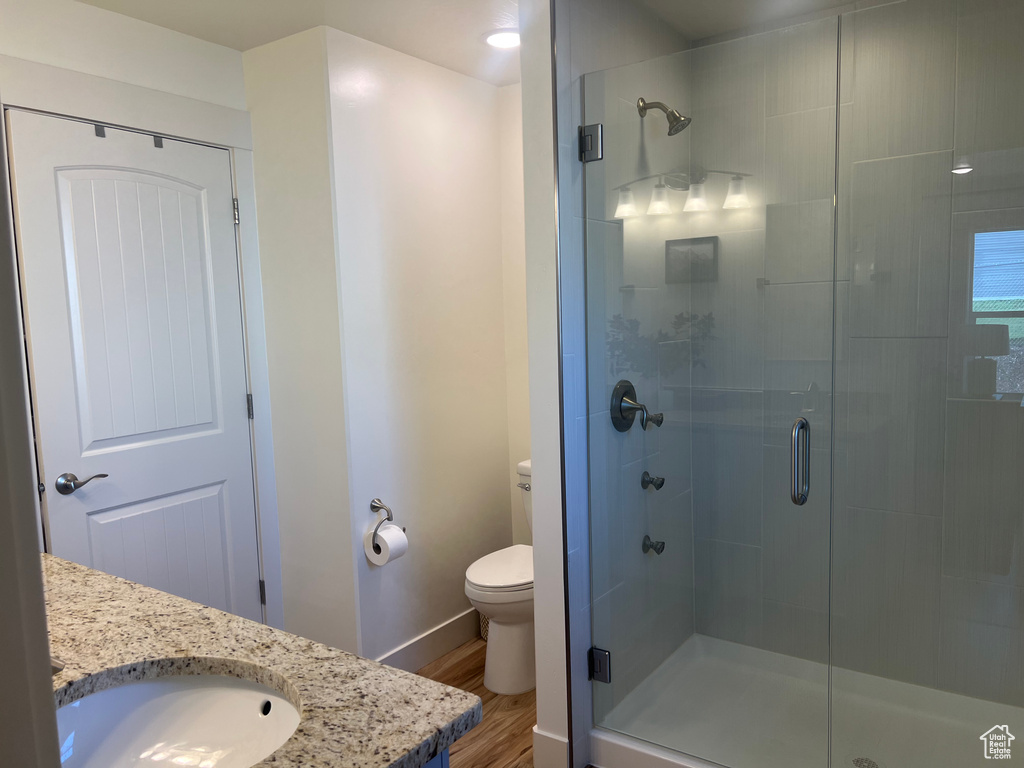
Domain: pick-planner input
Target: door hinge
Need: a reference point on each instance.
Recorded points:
(263, 592)
(591, 142)
(248, 405)
(42, 489)
(599, 665)
(234, 205)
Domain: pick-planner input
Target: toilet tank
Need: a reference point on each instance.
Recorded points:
(525, 472)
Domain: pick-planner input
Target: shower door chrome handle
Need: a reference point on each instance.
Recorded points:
(800, 465)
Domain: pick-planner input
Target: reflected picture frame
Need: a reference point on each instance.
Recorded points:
(691, 260)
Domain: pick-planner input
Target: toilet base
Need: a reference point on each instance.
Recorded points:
(511, 660)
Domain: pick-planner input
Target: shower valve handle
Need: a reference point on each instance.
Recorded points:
(646, 417)
(647, 480)
(625, 407)
(649, 544)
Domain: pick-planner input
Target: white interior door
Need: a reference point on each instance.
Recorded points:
(133, 315)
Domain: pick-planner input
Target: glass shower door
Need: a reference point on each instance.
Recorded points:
(928, 539)
(710, 287)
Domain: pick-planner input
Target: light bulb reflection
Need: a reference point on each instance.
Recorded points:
(659, 205)
(737, 196)
(626, 207)
(696, 200)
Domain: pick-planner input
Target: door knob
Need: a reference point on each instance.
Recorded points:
(69, 482)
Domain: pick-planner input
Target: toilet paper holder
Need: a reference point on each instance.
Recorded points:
(377, 506)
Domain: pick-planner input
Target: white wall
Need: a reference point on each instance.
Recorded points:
(286, 87)
(87, 39)
(419, 252)
(393, 279)
(513, 259)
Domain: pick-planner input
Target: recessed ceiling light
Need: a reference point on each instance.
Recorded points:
(503, 38)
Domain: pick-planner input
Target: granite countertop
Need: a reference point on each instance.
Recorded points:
(354, 712)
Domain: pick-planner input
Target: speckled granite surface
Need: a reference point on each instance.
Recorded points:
(354, 712)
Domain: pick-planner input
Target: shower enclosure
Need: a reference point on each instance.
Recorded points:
(818, 286)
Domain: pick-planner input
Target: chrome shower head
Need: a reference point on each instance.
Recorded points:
(676, 122)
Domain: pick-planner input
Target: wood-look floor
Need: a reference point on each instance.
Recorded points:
(505, 737)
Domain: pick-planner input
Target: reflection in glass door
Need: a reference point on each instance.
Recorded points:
(927, 637)
(710, 286)
(818, 283)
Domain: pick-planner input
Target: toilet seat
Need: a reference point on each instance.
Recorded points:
(507, 570)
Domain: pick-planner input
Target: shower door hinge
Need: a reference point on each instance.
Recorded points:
(234, 205)
(248, 405)
(599, 665)
(263, 592)
(591, 142)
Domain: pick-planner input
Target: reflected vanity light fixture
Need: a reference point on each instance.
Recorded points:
(691, 181)
(737, 196)
(697, 199)
(659, 205)
(626, 207)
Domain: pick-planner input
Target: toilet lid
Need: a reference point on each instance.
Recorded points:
(509, 568)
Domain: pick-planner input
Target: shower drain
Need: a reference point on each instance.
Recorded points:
(864, 762)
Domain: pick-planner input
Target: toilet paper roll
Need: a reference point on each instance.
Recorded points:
(392, 542)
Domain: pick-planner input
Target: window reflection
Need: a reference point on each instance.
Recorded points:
(997, 300)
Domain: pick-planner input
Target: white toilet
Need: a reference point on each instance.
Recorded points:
(500, 586)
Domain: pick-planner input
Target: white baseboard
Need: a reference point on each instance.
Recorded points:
(434, 643)
(549, 751)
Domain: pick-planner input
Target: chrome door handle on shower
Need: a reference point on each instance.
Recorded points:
(800, 463)
(69, 482)
(625, 407)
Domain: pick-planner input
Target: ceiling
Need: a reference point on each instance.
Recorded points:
(449, 33)
(701, 19)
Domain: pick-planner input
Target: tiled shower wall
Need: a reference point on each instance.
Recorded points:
(738, 554)
(765, 105)
(928, 517)
(591, 35)
(642, 604)
(928, 560)
(927, 524)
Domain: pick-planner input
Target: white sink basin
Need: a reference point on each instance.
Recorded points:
(207, 721)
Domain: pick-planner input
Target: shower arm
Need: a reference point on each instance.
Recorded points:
(643, 105)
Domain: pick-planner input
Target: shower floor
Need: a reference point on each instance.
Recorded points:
(744, 707)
